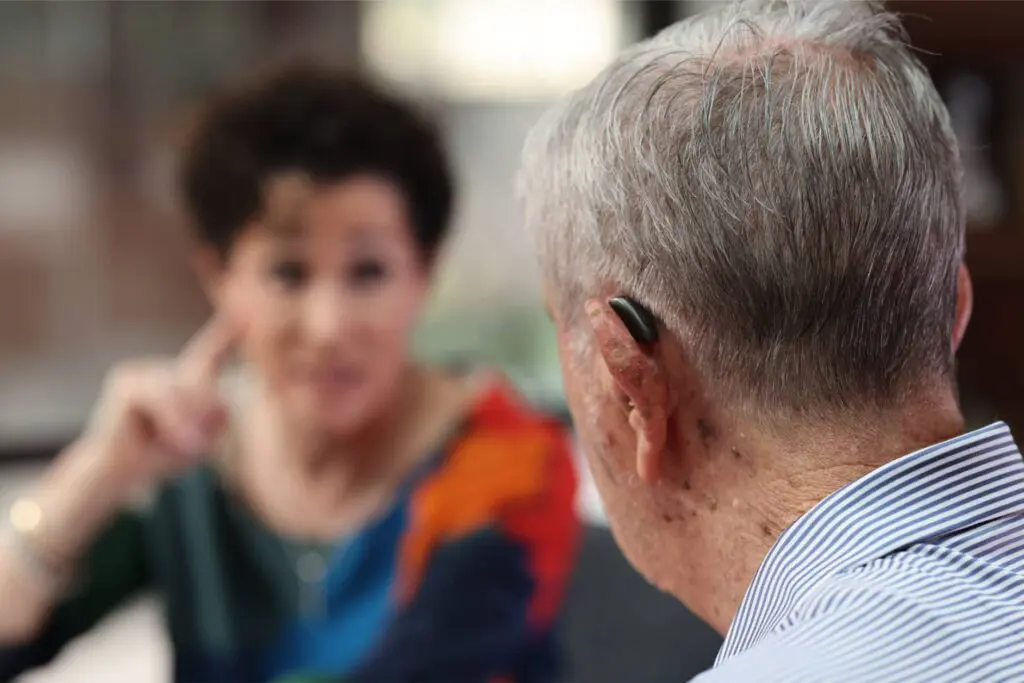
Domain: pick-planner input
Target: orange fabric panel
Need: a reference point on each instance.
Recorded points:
(547, 525)
(511, 469)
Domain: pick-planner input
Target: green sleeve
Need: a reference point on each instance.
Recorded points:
(113, 569)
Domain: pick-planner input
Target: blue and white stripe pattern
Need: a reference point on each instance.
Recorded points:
(914, 572)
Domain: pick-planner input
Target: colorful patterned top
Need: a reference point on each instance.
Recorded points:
(461, 582)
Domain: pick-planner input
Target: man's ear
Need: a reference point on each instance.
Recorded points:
(640, 382)
(964, 305)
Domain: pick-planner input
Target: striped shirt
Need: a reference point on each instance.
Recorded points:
(914, 572)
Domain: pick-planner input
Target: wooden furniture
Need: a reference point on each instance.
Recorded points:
(94, 260)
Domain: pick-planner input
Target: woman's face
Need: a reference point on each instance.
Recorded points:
(325, 286)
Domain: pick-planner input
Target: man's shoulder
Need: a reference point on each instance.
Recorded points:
(926, 613)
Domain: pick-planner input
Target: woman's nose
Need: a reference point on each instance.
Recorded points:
(327, 316)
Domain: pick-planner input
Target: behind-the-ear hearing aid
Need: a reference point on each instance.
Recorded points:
(640, 322)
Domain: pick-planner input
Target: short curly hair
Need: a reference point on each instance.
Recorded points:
(324, 123)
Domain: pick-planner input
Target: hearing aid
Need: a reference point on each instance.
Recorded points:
(639, 321)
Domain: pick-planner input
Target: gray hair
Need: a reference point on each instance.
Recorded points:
(780, 185)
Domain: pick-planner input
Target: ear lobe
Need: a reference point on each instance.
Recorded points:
(964, 305)
(639, 380)
(650, 444)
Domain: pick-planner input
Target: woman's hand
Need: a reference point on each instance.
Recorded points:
(156, 418)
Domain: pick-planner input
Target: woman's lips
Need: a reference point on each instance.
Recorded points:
(334, 380)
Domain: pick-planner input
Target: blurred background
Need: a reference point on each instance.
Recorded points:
(94, 254)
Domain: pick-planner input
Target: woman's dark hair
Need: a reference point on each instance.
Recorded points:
(324, 123)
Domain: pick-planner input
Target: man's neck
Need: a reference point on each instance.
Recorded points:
(753, 484)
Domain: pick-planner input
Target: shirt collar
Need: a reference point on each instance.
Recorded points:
(969, 480)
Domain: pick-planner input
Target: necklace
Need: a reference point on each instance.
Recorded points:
(309, 564)
(307, 561)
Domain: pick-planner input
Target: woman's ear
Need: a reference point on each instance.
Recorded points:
(208, 264)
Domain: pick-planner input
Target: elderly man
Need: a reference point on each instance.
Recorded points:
(751, 230)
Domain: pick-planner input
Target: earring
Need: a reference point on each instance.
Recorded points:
(640, 322)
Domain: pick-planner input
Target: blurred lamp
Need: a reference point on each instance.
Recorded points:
(486, 50)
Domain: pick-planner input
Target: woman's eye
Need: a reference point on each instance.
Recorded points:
(291, 274)
(367, 272)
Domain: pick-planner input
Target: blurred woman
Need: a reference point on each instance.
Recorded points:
(337, 511)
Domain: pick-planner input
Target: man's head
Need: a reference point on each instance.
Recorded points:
(780, 186)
